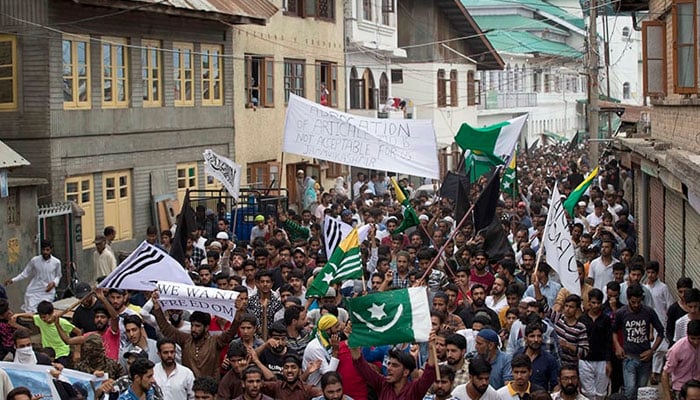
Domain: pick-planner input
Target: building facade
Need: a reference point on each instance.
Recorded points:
(114, 102)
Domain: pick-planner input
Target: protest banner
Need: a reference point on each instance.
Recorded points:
(406, 146)
(38, 380)
(224, 170)
(176, 296)
(558, 246)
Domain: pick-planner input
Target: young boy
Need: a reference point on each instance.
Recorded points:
(44, 320)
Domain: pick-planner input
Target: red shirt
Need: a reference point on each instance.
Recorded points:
(353, 384)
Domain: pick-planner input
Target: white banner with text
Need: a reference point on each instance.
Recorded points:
(176, 296)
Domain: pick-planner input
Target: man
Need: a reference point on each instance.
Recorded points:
(497, 300)
(273, 351)
(479, 274)
(137, 339)
(236, 361)
(142, 380)
(45, 321)
(601, 268)
(520, 385)
(662, 300)
(479, 305)
(442, 388)
(440, 303)
(683, 361)
(200, 350)
(548, 288)
(174, 379)
(677, 309)
(395, 385)
(291, 387)
(636, 350)
(455, 350)
(636, 271)
(569, 382)
(478, 387)
(259, 230)
(84, 314)
(545, 368)
(45, 273)
(610, 308)
(323, 347)
(252, 385)
(204, 388)
(263, 304)
(332, 387)
(692, 304)
(572, 333)
(103, 259)
(527, 267)
(596, 365)
(487, 348)
(298, 337)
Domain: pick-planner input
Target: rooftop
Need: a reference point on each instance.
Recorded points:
(515, 22)
(528, 43)
(541, 6)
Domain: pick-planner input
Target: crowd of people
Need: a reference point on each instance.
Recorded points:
(502, 327)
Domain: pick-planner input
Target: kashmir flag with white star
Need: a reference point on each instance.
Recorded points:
(344, 264)
(393, 317)
(509, 182)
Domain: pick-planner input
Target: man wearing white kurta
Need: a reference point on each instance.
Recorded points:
(45, 273)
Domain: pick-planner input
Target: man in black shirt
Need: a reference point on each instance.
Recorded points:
(596, 365)
(272, 353)
(677, 309)
(84, 315)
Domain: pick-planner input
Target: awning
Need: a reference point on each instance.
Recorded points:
(10, 158)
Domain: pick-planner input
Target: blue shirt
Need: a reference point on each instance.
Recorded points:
(130, 395)
(549, 291)
(500, 370)
(545, 370)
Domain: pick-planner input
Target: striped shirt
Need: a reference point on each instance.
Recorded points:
(576, 334)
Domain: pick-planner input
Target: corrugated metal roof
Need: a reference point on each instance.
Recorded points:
(10, 158)
(528, 43)
(233, 11)
(514, 22)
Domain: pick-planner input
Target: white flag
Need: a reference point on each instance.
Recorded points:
(335, 230)
(224, 170)
(176, 296)
(144, 267)
(558, 246)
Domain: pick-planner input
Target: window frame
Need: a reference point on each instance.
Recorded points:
(441, 88)
(471, 89)
(396, 75)
(331, 70)
(254, 180)
(76, 104)
(291, 78)
(646, 25)
(11, 106)
(266, 84)
(213, 52)
(88, 218)
(454, 93)
(186, 166)
(149, 48)
(367, 13)
(383, 88)
(677, 46)
(179, 51)
(124, 221)
(114, 43)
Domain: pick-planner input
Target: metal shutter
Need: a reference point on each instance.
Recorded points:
(673, 239)
(656, 221)
(692, 243)
(637, 211)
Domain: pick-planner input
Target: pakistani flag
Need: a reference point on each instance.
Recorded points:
(396, 316)
(410, 218)
(344, 264)
(509, 182)
(477, 164)
(496, 142)
(576, 194)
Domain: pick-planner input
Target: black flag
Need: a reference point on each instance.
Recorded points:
(496, 243)
(462, 201)
(185, 226)
(485, 207)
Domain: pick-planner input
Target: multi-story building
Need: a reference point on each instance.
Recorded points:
(542, 46)
(666, 163)
(114, 102)
(300, 51)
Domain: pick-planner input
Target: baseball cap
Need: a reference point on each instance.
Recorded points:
(299, 250)
(259, 218)
(138, 353)
(330, 292)
(346, 212)
(222, 235)
(82, 289)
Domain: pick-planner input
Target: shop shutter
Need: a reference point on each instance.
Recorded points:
(692, 243)
(673, 238)
(656, 221)
(637, 211)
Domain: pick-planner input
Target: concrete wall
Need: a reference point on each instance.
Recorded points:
(625, 58)
(260, 131)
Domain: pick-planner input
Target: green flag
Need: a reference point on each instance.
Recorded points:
(496, 140)
(345, 263)
(576, 194)
(410, 218)
(509, 182)
(396, 316)
(477, 164)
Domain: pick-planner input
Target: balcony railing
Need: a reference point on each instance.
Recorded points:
(495, 101)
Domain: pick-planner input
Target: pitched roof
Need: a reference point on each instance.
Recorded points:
(534, 5)
(10, 158)
(231, 11)
(528, 43)
(514, 22)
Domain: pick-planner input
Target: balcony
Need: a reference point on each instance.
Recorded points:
(498, 101)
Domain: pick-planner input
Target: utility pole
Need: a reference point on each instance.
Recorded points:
(593, 107)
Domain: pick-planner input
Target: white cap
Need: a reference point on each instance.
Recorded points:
(222, 235)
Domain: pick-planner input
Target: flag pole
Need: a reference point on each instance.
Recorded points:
(450, 272)
(435, 361)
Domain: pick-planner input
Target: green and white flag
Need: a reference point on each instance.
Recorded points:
(345, 263)
(509, 182)
(496, 141)
(396, 316)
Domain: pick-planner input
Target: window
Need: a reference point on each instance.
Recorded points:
(477, 91)
(327, 83)
(259, 81)
(116, 198)
(186, 179)
(471, 90)
(151, 62)
(454, 95)
(211, 75)
(536, 81)
(293, 78)
(387, 9)
(654, 58)
(684, 46)
(370, 92)
(626, 90)
(183, 71)
(625, 31)
(260, 175)
(76, 72)
(325, 9)
(8, 72)
(79, 189)
(335, 170)
(294, 8)
(367, 10)
(441, 88)
(396, 76)
(356, 90)
(547, 83)
(383, 88)
(114, 73)
(14, 205)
